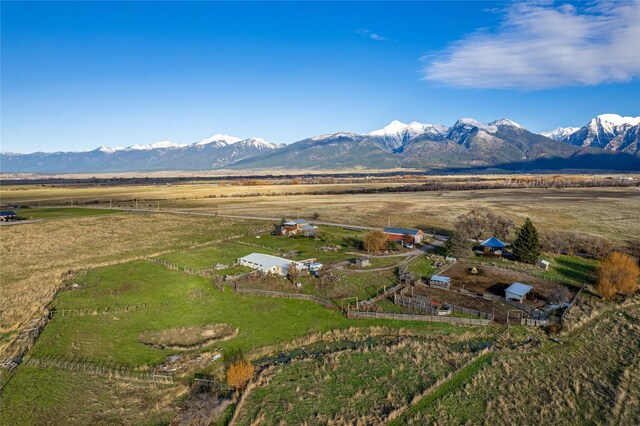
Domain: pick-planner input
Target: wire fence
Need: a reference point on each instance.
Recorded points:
(425, 304)
(415, 317)
(101, 367)
(284, 295)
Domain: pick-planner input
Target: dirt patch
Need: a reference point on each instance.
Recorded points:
(466, 301)
(494, 280)
(185, 338)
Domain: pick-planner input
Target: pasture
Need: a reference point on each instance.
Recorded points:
(115, 306)
(609, 212)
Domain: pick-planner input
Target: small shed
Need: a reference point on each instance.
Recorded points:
(440, 282)
(517, 292)
(362, 262)
(544, 264)
(491, 245)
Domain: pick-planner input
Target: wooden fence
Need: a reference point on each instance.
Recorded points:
(381, 293)
(424, 304)
(105, 368)
(521, 306)
(572, 304)
(413, 317)
(284, 295)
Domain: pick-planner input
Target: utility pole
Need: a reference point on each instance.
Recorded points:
(136, 204)
(110, 203)
(158, 205)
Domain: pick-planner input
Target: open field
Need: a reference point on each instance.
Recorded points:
(116, 306)
(364, 384)
(36, 255)
(609, 212)
(590, 378)
(54, 396)
(62, 212)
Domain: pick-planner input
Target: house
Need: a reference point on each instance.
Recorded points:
(270, 264)
(404, 234)
(517, 292)
(298, 226)
(8, 216)
(492, 245)
(440, 282)
(362, 262)
(308, 230)
(544, 264)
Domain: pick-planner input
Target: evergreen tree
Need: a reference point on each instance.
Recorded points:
(459, 245)
(526, 247)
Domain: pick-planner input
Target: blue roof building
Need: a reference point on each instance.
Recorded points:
(440, 278)
(493, 242)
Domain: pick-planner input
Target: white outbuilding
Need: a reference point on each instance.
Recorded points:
(269, 264)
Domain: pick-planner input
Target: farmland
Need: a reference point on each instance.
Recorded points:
(568, 209)
(116, 302)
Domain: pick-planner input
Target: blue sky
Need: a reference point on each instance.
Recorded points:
(76, 76)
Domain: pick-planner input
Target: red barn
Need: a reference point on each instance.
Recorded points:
(404, 234)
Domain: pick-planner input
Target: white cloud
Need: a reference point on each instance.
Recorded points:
(373, 36)
(541, 45)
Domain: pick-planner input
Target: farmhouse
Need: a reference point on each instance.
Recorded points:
(404, 234)
(298, 226)
(8, 216)
(492, 245)
(440, 282)
(517, 292)
(269, 264)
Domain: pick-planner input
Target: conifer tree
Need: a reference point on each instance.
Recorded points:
(526, 247)
(458, 245)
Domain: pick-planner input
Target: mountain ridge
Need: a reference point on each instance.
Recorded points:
(468, 143)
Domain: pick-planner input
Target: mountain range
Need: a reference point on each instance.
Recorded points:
(608, 141)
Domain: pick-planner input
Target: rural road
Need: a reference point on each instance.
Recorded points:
(438, 238)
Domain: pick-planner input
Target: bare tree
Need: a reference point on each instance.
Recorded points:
(292, 272)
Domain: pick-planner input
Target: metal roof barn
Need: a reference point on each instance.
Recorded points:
(268, 263)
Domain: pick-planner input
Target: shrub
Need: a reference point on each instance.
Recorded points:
(239, 374)
(618, 273)
(375, 242)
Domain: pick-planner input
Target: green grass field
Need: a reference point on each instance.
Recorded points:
(338, 388)
(39, 396)
(294, 248)
(63, 212)
(587, 379)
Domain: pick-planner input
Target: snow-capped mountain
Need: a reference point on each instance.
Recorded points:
(603, 143)
(468, 143)
(219, 139)
(396, 134)
(214, 152)
(560, 133)
(611, 132)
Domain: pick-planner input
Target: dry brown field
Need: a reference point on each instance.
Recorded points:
(608, 212)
